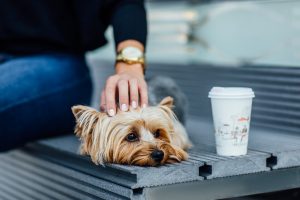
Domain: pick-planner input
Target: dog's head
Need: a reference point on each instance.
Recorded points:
(139, 137)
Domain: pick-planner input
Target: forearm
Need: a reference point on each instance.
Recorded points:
(129, 23)
(130, 30)
(133, 43)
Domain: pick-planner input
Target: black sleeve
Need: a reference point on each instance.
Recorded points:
(129, 21)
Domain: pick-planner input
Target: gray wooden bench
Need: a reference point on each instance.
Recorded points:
(52, 169)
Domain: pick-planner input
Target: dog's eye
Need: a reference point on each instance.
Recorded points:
(132, 137)
(156, 133)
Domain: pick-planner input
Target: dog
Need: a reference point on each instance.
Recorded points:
(149, 136)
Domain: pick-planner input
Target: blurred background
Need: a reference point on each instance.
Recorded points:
(221, 32)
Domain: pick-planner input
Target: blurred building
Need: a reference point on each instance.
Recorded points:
(220, 32)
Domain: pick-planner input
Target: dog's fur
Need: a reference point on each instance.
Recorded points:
(104, 138)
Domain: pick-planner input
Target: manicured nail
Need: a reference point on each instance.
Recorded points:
(124, 107)
(111, 112)
(134, 104)
(144, 105)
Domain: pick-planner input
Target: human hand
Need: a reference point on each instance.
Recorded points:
(127, 87)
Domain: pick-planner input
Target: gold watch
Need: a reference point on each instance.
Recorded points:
(131, 55)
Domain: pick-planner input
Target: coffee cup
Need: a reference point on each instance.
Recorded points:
(231, 110)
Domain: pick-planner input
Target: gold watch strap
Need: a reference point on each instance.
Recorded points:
(141, 60)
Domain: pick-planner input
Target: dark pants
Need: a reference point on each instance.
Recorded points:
(36, 95)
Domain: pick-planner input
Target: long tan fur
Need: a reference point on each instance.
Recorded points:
(104, 138)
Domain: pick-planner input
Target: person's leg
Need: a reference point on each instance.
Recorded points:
(36, 96)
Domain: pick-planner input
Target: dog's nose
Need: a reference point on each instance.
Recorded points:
(157, 155)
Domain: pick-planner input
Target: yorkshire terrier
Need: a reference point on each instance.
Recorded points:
(148, 136)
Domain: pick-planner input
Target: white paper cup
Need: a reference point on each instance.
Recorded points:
(231, 109)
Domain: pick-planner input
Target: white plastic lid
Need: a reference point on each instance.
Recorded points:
(231, 92)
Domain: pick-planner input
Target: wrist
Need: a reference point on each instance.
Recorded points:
(130, 57)
(127, 43)
(122, 67)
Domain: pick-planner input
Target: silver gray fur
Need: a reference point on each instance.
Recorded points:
(160, 87)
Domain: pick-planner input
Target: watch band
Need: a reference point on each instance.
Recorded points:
(131, 60)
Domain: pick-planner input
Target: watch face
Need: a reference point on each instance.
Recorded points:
(132, 53)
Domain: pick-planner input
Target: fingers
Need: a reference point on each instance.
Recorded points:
(131, 91)
(123, 94)
(134, 93)
(110, 95)
(143, 94)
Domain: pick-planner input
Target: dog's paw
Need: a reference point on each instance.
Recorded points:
(179, 157)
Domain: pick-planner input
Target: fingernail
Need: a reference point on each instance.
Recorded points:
(144, 105)
(124, 107)
(111, 112)
(134, 104)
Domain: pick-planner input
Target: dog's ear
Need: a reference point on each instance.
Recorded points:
(91, 129)
(166, 105)
(79, 110)
(167, 101)
(86, 117)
